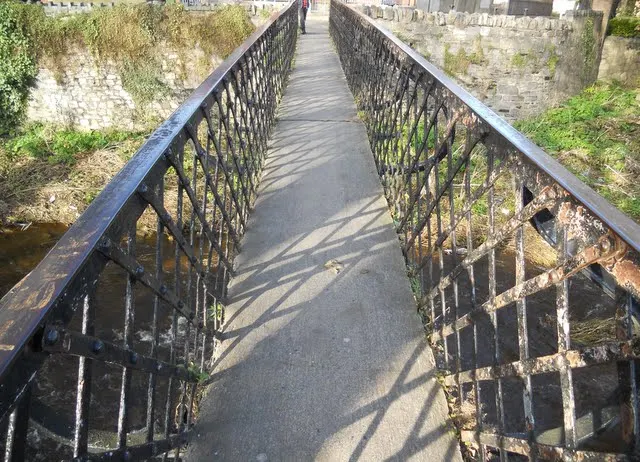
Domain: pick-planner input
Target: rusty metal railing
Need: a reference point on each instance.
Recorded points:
(527, 280)
(104, 344)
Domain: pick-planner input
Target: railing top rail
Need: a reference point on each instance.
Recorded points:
(627, 229)
(515, 263)
(25, 307)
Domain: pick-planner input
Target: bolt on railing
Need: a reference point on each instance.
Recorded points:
(104, 346)
(527, 280)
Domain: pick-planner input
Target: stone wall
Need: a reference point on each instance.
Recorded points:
(92, 96)
(621, 60)
(518, 66)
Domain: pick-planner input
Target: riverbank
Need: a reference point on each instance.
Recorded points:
(596, 135)
(50, 174)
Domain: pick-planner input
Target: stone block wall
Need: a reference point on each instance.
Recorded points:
(518, 66)
(91, 96)
(621, 60)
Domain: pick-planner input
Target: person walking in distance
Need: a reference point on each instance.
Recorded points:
(304, 6)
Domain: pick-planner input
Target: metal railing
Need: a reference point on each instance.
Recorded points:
(105, 344)
(527, 280)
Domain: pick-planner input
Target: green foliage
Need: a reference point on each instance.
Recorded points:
(216, 311)
(458, 64)
(416, 287)
(552, 59)
(265, 13)
(144, 82)
(624, 26)
(216, 33)
(17, 68)
(198, 374)
(596, 135)
(129, 36)
(519, 60)
(60, 145)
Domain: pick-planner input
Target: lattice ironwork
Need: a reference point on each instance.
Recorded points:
(528, 281)
(104, 346)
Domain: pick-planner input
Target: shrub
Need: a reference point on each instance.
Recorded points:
(622, 26)
(17, 68)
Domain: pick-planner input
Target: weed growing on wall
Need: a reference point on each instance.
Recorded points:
(127, 36)
(588, 41)
(457, 64)
(552, 59)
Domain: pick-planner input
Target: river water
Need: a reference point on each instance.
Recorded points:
(591, 314)
(53, 403)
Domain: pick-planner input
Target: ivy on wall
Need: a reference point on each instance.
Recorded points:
(127, 36)
(588, 41)
(17, 68)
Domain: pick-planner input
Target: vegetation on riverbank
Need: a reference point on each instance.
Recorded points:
(596, 135)
(51, 174)
(128, 36)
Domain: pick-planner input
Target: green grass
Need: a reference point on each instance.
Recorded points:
(59, 145)
(596, 135)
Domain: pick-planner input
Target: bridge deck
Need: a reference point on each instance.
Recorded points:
(321, 360)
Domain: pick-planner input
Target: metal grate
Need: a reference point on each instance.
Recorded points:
(528, 281)
(104, 346)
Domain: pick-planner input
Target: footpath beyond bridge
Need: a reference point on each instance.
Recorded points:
(324, 356)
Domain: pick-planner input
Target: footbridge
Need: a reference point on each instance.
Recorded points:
(352, 259)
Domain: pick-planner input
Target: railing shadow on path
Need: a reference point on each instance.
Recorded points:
(541, 354)
(318, 361)
(289, 271)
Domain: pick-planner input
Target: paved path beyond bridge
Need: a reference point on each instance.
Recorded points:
(324, 356)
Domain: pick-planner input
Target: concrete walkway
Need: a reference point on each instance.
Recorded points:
(324, 356)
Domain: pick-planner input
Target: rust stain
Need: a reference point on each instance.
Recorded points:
(565, 212)
(39, 300)
(574, 358)
(5, 328)
(627, 274)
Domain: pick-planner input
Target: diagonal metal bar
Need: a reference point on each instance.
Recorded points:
(545, 199)
(604, 250)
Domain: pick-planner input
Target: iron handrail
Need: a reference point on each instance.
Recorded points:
(620, 223)
(470, 195)
(224, 127)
